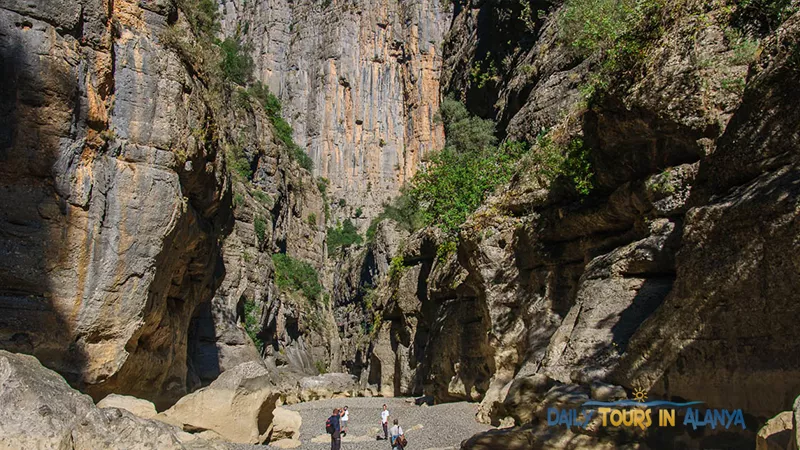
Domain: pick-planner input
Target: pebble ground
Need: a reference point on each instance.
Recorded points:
(437, 427)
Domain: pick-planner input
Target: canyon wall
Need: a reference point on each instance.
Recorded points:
(359, 82)
(121, 222)
(666, 277)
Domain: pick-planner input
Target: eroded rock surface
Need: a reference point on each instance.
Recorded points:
(40, 410)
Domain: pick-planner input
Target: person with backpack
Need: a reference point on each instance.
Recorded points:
(334, 428)
(385, 422)
(398, 437)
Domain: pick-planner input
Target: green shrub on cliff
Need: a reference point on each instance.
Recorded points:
(252, 323)
(456, 183)
(260, 228)
(283, 131)
(457, 179)
(343, 235)
(590, 25)
(236, 63)
(297, 275)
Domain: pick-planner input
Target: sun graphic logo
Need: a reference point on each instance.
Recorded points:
(640, 395)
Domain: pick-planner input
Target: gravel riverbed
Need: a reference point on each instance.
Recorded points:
(427, 427)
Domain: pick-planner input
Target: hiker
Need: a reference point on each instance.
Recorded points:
(398, 437)
(385, 422)
(333, 427)
(345, 419)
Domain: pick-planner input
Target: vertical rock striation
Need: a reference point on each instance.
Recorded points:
(359, 83)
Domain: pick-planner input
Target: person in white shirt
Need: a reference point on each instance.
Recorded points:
(397, 431)
(345, 418)
(385, 422)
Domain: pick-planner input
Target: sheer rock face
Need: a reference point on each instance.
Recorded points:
(359, 82)
(115, 203)
(108, 241)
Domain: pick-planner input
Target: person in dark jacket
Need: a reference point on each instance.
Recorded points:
(336, 436)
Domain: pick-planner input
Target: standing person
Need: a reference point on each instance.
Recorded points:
(345, 419)
(385, 422)
(334, 428)
(398, 437)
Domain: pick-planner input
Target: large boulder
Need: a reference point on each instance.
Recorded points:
(136, 406)
(776, 434)
(285, 424)
(238, 406)
(39, 410)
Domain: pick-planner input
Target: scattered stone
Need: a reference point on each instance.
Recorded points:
(39, 410)
(137, 406)
(286, 443)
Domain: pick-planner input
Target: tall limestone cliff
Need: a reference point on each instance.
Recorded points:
(120, 219)
(359, 81)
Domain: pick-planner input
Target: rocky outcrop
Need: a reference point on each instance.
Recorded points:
(39, 410)
(359, 83)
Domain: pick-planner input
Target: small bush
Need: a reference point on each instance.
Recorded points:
(202, 16)
(297, 275)
(321, 367)
(733, 85)
(588, 26)
(455, 184)
(571, 162)
(283, 131)
(343, 236)
(457, 179)
(465, 133)
(396, 267)
(744, 48)
(238, 163)
(263, 198)
(252, 323)
(445, 250)
(322, 185)
(260, 227)
(359, 212)
(312, 220)
(403, 210)
(238, 200)
(483, 72)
